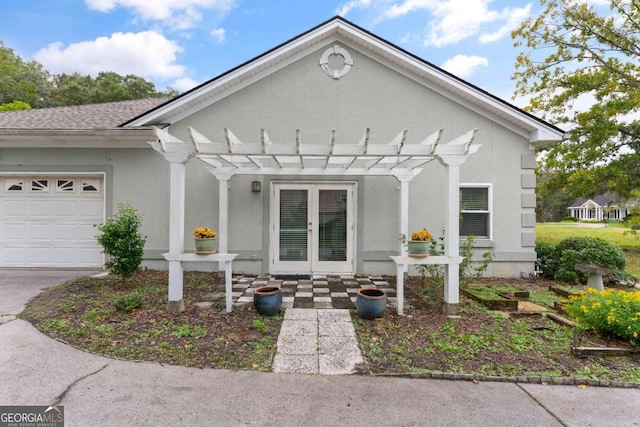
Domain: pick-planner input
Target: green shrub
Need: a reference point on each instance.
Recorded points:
(609, 312)
(546, 253)
(122, 241)
(559, 261)
(129, 302)
(569, 219)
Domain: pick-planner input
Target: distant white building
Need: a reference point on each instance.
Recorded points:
(599, 208)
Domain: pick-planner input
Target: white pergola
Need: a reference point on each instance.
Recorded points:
(234, 157)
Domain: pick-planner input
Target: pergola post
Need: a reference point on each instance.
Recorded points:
(404, 210)
(451, 305)
(223, 214)
(176, 234)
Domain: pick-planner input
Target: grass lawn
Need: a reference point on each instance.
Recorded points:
(553, 232)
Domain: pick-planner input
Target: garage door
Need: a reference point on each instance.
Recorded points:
(47, 221)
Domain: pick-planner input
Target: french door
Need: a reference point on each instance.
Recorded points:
(312, 228)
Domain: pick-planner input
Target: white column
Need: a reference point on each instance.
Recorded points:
(177, 173)
(404, 211)
(452, 234)
(223, 215)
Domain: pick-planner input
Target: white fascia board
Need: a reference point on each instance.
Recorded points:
(70, 138)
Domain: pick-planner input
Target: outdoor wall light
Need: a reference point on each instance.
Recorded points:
(256, 186)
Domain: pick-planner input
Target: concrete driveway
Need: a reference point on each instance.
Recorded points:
(97, 391)
(18, 286)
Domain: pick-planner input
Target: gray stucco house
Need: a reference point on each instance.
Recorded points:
(323, 150)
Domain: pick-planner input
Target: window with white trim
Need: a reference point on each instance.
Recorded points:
(14, 184)
(40, 185)
(475, 211)
(90, 185)
(65, 186)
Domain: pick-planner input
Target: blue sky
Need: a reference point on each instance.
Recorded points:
(181, 43)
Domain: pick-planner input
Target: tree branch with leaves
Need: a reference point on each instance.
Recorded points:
(580, 66)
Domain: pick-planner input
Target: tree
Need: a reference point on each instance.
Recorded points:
(15, 106)
(30, 83)
(22, 81)
(579, 54)
(122, 241)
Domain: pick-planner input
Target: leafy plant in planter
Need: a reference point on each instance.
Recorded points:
(122, 241)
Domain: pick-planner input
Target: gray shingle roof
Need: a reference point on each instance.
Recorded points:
(108, 115)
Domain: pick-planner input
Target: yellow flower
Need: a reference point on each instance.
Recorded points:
(204, 233)
(423, 235)
(635, 335)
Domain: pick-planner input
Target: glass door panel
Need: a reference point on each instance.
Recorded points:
(332, 225)
(294, 216)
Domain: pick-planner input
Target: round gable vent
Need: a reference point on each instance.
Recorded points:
(336, 62)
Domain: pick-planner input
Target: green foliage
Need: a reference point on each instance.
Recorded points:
(468, 268)
(569, 219)
(577, 51)
(22, 81)
(15, 106)
(559, 261)
(78, 89)
(30, 84)
(610, 312)
(129, 302)
(122, 241)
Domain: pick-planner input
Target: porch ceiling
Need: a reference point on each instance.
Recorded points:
(235, 157)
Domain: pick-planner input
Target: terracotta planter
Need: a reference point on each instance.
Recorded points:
(370, 303)
(267, 300)
(418, 248)
(206, 246)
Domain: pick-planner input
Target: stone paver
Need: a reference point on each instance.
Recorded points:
(317, 341)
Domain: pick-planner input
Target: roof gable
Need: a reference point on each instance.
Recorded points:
(537, 131)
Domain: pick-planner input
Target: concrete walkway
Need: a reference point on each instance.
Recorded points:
(317, 341)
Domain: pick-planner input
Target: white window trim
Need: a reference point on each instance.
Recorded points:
(489, 188)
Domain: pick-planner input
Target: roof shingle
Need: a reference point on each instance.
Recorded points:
(108, 115)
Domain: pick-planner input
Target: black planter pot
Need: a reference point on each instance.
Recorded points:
(267, 300)
(370, 303)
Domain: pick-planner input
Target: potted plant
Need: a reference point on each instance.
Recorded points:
(205, 240)
(418, 246)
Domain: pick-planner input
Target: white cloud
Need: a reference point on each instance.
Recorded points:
(176, 14)
(514, 18)
(218, 35)
(454, 20)
(345, 8)
(147, 54)
(464, 65)
(184, 83)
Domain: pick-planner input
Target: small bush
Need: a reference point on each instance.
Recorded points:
(122, 241)
(569, 219)
(559, 261)
(129, 302)
(609, 312)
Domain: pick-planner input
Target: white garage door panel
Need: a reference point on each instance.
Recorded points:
(65, 208)
(13, 231)
(15, 208)
(41, 232)
(51, 228)
(40, 208)
(90, 209)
